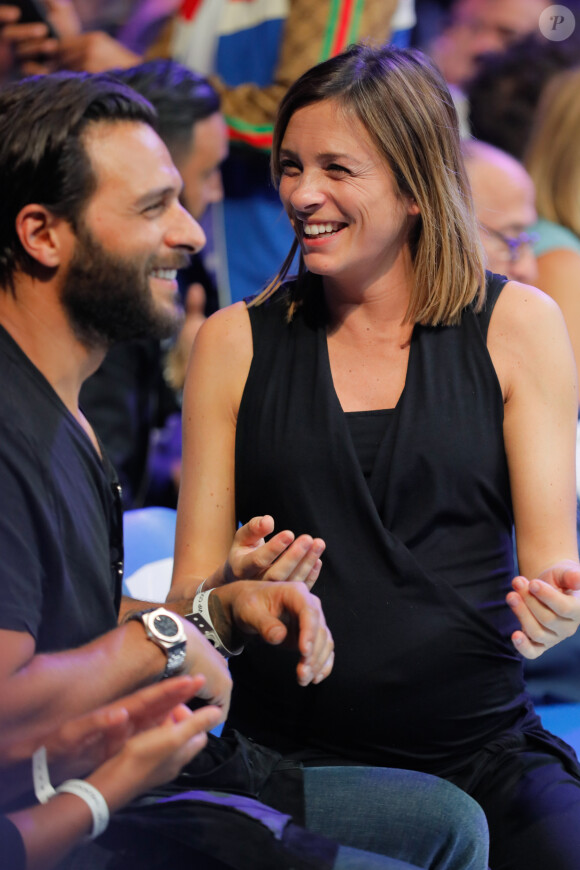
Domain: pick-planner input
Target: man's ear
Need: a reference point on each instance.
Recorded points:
(39, 231)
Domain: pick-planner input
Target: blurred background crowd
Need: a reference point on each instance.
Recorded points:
(496, 55)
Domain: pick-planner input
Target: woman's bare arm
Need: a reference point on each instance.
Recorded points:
(532, 354)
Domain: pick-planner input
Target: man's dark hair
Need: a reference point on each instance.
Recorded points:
(181, 98)
(42, 153)
(504, 93)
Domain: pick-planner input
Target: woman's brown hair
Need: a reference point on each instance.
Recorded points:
(405, 105)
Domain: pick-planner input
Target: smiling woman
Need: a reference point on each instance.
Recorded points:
(341, 198)
(406, 145)
(400, 406)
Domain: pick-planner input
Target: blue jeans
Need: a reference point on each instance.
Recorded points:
(355, 859)
(417, 820)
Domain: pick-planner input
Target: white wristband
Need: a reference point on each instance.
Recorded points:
(94, 800)
(200, 587)
(41, 777)
(200, 617)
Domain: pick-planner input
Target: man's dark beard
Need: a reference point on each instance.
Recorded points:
(108, 298)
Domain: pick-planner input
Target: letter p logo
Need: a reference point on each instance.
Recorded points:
(557, 23)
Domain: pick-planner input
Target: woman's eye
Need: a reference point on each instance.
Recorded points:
(288, 166)
(337, 168)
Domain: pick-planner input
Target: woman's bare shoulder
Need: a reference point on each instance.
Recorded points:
(227, 321)
(519, 305)
(524, 316)
(527, 333)
(227, 331)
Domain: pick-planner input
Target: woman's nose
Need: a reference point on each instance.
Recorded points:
(307, 192)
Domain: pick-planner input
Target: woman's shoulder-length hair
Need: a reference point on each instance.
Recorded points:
(403, 102)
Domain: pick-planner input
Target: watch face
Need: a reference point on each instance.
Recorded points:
(166, 625)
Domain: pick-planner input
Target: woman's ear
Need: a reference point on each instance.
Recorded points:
(412, 207)
(38, 231)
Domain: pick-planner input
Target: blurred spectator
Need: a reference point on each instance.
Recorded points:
(478, 27)
(503, 195)
(92, 36)
(113, 16)
(553, 160)
(128, 399)
(504, 93)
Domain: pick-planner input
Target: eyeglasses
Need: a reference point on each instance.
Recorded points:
(512, 246)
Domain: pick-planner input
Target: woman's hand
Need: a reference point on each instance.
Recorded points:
(548, 608)
(283, 557)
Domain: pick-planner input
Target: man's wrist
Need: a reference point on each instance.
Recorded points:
(224, 621)
(95, 801)
(166, 631)
(208, 616)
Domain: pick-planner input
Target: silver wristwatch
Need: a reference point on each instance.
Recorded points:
(165, 629)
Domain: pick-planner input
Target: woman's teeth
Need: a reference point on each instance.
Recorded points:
(320, 229)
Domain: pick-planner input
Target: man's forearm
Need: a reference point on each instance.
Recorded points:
(52, 688)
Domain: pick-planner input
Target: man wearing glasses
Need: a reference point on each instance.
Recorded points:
(504, 195)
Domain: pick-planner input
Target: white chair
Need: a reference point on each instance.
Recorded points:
(149, 537)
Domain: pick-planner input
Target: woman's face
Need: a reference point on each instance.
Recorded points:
(340, 196)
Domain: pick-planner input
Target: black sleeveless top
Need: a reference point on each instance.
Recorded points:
(367, 431)
(418, 558)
